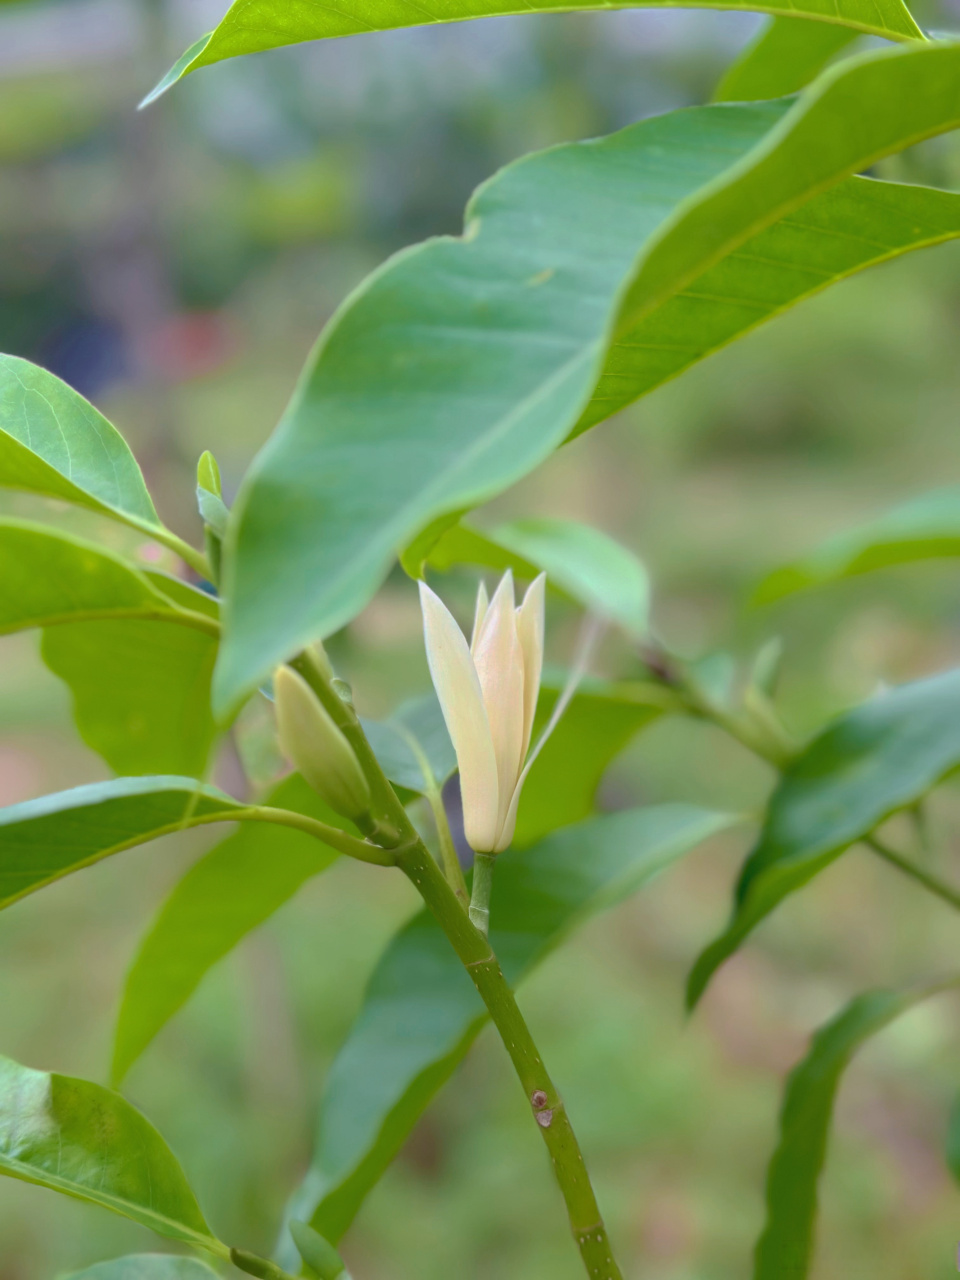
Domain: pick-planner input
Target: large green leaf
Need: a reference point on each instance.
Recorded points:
(925, 529)
(414, 736)
(251, 26)
(226, 895)
(141, 692)
(584, 564)
(876, 759)
(421, 1013)
(599, 722)
(48, 577)
(42, 840)
(146, 1266)
(786, 55)
(54, 442)
(784, 1250)
(461, 364)
(86, 1141)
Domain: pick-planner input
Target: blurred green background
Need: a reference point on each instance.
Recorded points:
(176, 266)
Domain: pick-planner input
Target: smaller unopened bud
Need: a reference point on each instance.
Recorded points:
(208, 474)
(317, 747)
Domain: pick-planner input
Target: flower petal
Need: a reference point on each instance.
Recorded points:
(461, 699)
(530, 628)
(499, 661)
(483, 604)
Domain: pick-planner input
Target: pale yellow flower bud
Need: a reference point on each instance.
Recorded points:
(317, 747)
(488, 693)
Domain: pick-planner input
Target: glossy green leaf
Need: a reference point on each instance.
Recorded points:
(141, 692)
(592, 259)
(584, 564)
(415, 729)
(86, 1141)
(600, 721)
(881, 757)
(48, 577)
(926, 528)
(785, 1248)
(230, 892)
(251, 26)
(786, 55)
(42, 840)
(421, 1013)
(55, 443)
(146, 1266)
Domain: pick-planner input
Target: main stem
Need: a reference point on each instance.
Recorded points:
(477, 957)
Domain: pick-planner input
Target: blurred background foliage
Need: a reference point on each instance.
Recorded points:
(176, 266)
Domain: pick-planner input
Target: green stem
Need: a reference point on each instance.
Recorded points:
(477, 957)
(919, 874)
(434, 798)
(333, 836)
(480, 898)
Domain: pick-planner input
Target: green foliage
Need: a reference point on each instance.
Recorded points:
(86, 1141)
(318, 1254)
(413, 746)
(923, 529)
(141, 692)
(786, 1246)
(232, 890)
(628, 222)
(879, 758)
(53, 442)
(580, 562)
(47, 577)
(42, 840)
(786, 55)
(421, 1013)
(251, 26)
(146, 1266)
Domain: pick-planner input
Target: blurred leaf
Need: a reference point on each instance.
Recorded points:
(49, 577)
(786, 55)
(924, 529)
(54, 442)
(421, 1012)
(785, 1248)
(422, 720)
(952, 1145)
(251, 26)
(42, 840)
(628, 222)
(141, 692)
(87, 1142)
(596, 726)
(230, 892)
(882, 756)
(146, 1266)
(318, 1254)
(585, 564)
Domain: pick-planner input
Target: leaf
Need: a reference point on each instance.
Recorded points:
(924, 529)
(784, 1250)
(48, 577)
(54, 442)
(600, 721)
(483, 354)
(87, 1142)
(421, 1012)
(786, 55)
(141, 692)
(146, 1266)
(421, 721)
(42, 840)
(230, 892)
(585, 564)
(881, 757)
(251, 26)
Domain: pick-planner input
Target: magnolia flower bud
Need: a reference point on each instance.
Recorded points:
(317, 747)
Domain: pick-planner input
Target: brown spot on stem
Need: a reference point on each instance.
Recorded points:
(538, 1098)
